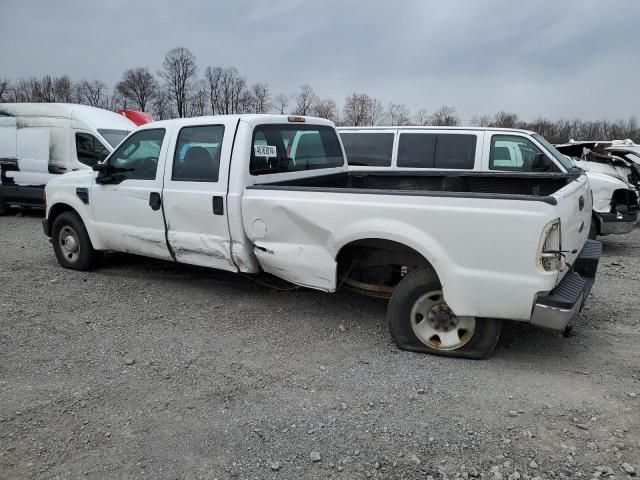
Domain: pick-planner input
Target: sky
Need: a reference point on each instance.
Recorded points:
(549, 58)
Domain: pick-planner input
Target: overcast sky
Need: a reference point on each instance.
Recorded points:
(553, 58)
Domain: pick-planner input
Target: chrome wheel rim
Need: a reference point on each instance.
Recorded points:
(437, 326)
(69, 243)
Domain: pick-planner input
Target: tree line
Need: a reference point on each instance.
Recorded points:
(180, 89)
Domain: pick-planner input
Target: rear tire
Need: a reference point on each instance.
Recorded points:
(4, 208)
(420, 321)
(71, 243)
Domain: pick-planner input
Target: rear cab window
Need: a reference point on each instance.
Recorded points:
(366, 149)
(441, 151)
(279, 148)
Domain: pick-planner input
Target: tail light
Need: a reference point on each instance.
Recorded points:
(551, 258)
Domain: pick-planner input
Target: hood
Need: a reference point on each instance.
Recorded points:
(82, 177)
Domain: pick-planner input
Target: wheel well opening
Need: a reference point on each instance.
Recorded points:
(375, 266)
(55, 211)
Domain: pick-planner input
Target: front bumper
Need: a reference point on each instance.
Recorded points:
(616, 224)
(556, 309)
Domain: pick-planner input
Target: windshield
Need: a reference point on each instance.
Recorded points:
(288, 148)
(564, 161)
(114, 137)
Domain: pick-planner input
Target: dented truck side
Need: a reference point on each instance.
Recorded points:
(455, 252)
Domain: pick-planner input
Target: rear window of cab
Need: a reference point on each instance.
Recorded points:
(282, 148)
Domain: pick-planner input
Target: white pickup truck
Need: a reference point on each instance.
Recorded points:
(456, 252)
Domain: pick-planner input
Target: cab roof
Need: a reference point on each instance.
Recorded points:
(251, 118)
(428, 127)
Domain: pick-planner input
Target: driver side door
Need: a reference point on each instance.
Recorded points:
(127, 208)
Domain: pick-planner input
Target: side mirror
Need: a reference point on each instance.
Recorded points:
(540, 163)
(100, 167)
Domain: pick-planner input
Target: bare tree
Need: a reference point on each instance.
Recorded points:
(162, 104)
(281, 103)
(179, 71)
(213, 79)
(92, 93)
(137, 86)
(480, 121)
(360, 109)
(504, 119)
(63, 89)
(398, 114)
(422, 117)
(5, 89)
(261, 98)
(305, 99)
(228, 92)
(326, 108)
(199, 102)
(445, 116)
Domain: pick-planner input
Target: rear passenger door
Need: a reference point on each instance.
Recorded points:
(439, 150)
(194, 196)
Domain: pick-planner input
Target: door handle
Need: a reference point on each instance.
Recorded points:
(218, 206)
(154, 201)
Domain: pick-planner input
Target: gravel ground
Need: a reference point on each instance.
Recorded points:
(146, 369)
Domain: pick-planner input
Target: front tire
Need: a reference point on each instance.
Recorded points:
(71, 243)
(420, 321)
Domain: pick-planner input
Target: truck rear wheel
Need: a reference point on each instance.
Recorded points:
(71, 243)
(421, 321)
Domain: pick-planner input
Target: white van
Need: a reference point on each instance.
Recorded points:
(41, 140)
(500, 150)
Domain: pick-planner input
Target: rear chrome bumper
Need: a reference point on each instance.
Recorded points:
(556, 309)
(616, 224)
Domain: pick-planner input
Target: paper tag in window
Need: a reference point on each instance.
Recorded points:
(268, 151)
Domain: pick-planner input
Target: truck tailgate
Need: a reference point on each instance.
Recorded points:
(575, 208)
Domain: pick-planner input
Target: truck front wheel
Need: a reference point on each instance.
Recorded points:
(71, 243)
(421, 321)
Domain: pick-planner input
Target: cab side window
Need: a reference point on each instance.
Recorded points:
(512, 153)
(438, 151)
(197, 155)
(137, 157)
(89, 150)
(368, 149)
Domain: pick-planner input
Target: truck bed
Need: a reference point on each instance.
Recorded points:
(538, 186)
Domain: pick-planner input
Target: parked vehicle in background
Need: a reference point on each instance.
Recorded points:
(617, 159)
(41, 140)
(136, 116)
(404, 149)
(456, 252)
